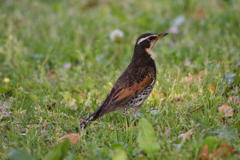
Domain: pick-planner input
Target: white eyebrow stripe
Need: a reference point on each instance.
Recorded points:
(143, 39)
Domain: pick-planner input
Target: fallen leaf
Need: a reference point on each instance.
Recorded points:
(200, 13)
(176, 99)
(191, 78)
(212, 142)
(159, 93)
(228, 110)
(73, 137)
(211, 88)
(224, 150)
(200, 74)
(48, 75)
(186, 135)
(90, 5)
(204, 154)
(45, 124)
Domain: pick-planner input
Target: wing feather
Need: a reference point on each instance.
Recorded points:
(122, 95)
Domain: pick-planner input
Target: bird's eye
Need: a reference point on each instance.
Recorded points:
(151, 38)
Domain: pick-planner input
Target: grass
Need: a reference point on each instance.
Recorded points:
(37, 38)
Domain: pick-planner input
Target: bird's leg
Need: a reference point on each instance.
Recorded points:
(135, 110)
(125, 114)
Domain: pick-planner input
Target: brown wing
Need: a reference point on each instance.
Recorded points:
(123, 94)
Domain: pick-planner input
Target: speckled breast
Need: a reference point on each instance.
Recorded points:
(140, 97)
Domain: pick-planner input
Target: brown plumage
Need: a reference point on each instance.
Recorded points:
(135, 84)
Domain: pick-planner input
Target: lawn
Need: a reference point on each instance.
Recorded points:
(57, 64)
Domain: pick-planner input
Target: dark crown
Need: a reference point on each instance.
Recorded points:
(145, 39)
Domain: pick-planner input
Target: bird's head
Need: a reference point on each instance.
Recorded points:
(146, 41)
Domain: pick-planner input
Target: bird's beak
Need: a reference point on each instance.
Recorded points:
(161, 35)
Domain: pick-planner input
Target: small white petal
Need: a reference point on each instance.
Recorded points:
(116, 35)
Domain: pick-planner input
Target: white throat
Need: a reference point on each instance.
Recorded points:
(149, 50)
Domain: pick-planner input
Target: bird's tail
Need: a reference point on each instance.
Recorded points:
(90, 119)
(98, 113)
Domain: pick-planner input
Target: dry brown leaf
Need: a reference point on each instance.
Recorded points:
(188, 79)
(48, 75)
(228, 110)
(186, 135)
(90, 5)
(191, 78)
(176, 99)
(200, 13)
(159, 93)
(200, 74)
(211, 88)
(73, 137)
(204, 153)
(224, 148)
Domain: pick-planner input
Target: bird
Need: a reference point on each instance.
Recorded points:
(135, 84)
